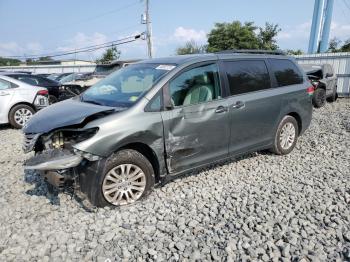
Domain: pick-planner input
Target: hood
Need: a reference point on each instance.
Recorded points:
(65, 113)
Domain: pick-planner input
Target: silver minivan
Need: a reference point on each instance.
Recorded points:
(19, 101)
(159, 118)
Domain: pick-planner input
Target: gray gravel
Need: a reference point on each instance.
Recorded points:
(259, 207)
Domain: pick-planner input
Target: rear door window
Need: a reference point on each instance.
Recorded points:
(247, 76)
(286, 72)
(4, 84)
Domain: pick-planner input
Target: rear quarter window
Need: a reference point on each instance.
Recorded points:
(247, 76)
(286, 72)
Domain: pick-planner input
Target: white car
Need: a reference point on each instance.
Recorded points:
(19, 101)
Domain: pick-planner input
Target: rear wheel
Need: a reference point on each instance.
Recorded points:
(286, 136)
(319, 98)
(334, 95)
(20, 114)
(128, 177)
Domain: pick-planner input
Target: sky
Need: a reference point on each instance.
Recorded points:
(41, 26)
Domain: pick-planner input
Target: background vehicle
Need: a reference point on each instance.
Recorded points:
(58, 77)
(156, 119)
(324, 81)
(35, 80)
(19, 101)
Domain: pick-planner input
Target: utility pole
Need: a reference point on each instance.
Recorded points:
(148, 30)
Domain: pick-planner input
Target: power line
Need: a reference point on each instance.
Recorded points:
(96, 16)
(85, 49)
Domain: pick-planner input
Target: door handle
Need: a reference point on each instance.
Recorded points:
(221, 109)
(239, 104)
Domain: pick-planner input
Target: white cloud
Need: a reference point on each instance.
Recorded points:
(182, 34)
(14, 49)
(297, 37)
(301, 31)
(340, 31)
(81, 40)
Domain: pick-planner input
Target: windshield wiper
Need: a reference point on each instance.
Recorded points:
(92, 102)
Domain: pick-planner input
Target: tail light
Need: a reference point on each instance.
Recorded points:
(43, 93)
(310, 90)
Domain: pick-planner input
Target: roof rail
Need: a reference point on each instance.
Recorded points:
(252, 51)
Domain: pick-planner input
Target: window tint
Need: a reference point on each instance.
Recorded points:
(197, 85)
(247, 76)
(4, 84)
(286, 72)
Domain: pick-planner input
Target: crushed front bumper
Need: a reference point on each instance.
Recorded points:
(53, 159)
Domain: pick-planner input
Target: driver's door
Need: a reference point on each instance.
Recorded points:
(196, 129)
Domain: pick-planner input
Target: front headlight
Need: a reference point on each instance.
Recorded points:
(86, 155)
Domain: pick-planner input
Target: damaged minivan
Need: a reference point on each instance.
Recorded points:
(159, 118)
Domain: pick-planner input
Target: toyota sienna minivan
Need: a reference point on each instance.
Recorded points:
(159, 118)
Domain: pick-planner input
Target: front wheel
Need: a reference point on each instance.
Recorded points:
(128, 177)
(19, 115)
(286, 136)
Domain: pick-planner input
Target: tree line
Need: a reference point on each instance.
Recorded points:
(237, 35)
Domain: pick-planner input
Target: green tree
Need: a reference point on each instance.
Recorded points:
(333, 45)
(346, 46)
(9, 62)
(109, 55)
(190, 47)
(294, 52)
(267, 36)
(236, 35)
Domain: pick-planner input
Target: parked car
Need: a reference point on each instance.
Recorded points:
(79, 82)
(43, 75)
(19, 101)
(58, 77)
(156, 119)
(35, 80)
(325, 82)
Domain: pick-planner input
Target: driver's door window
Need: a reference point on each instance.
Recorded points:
(197, 85)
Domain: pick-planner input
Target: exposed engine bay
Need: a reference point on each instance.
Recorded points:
(55, 156)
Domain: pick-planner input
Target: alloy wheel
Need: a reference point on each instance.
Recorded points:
(287, 136)
(22, 116)
(124, 184)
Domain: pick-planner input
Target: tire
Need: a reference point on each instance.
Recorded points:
(52, 99)
(19, 115)
(334, 95)
(289, 127)
(319, 98)
(110, 179)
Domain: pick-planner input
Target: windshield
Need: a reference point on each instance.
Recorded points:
(125, 86)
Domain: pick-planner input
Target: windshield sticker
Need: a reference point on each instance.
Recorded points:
(165, 67)
(133, 98)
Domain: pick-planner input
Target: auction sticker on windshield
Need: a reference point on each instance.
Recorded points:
(165, 67)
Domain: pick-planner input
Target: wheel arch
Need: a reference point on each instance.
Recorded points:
(149, 153)
(298, 119)
(20, 103)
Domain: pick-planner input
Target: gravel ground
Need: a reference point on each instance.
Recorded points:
(259, 207)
